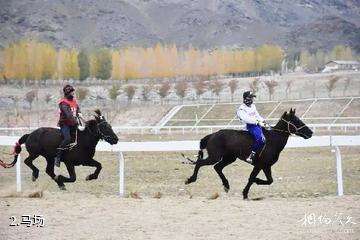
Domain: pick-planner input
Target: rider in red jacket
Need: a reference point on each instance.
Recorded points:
(69, 111)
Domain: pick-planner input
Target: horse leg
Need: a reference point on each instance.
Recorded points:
(219, 167)
(60, 179)
(252, 178)
(29, 162)
(200, 163)
(50, 171)
(268, 176)
(94, 163)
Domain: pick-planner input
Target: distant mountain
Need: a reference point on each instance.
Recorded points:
(201, 23)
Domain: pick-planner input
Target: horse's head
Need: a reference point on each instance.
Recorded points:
(293, 125)
(103, 128)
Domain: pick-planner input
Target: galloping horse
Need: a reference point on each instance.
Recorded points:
(45, 141)
(224, 146)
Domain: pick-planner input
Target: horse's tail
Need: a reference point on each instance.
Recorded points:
(17, 150)
(200, 156)
(203, 145)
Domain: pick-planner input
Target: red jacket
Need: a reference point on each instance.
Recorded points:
(68, 110)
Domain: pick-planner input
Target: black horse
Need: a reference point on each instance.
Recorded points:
(224, 146)
(45, 141)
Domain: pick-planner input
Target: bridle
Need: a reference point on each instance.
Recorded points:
(289, 123)
(99, 133)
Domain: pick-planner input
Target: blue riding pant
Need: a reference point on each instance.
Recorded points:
(257, 133)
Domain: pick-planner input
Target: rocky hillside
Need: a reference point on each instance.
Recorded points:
(202, 23)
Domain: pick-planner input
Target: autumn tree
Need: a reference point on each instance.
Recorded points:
(84, 65)
(102, 63)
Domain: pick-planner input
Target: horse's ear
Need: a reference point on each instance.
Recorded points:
(292, 112)
(284, 114)
(98, 113)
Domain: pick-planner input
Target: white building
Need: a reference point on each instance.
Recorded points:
(341, 65)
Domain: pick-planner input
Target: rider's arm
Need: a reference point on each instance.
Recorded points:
(68, 114)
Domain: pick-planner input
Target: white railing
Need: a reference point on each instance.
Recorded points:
(293, 142)
(345, 127)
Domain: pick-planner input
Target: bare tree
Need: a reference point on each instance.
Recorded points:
(130, 92)
(346, 85)
(254, 85)
(330, 85)
(30, 97)
(288, 88)
(233, 85)
(164, 90)
(81, 93)
(271, 85)
(216, 87)
(48, 98)
(145, 91)
(180, 89)
(114, 92)
(200, 87)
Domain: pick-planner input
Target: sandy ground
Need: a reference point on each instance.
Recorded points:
(304, 184)
(87, 216)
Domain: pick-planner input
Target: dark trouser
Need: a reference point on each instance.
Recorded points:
(257, 133)
(66, 133)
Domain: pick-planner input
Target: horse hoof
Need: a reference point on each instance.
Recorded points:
(187, 181)
(63, 188)
(226, 189)
(87, 178)
(33, 178)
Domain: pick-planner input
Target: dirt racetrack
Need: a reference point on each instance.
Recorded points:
(304, 185)
(87, 216)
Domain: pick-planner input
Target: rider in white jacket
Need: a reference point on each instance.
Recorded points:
(254, 122)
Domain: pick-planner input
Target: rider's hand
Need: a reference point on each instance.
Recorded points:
(266, 125)
(260, 124)
(81, 128)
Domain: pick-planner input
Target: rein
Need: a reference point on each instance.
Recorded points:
(289, 130)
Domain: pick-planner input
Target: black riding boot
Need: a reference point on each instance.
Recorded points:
(58, 157)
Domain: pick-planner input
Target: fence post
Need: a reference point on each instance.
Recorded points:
(121, 174)
(339, 177)
(18, 174)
